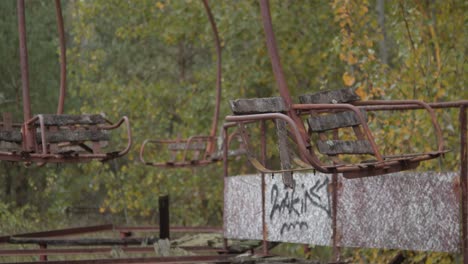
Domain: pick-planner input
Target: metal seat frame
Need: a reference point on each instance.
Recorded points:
(293, 114)
(198, 150)
(41, 139)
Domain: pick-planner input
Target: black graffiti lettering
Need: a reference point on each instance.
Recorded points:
(292, 205)
(286, 203)
(292, 226)
(289, 202)
(313, 193)
(274, 193)
(314, 188)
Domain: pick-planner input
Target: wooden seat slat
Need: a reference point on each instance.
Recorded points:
(67, 120)
(258, 105)
(74, 136)
(11, 136)
(334, 147)
(326, 122)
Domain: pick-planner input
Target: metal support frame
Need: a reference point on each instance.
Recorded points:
(43, 240)
(63, 57)
(263, 160)
(461, 105)
(335, 232)
(174, 259)
(464, 182)
(28, 140)
(35, 148)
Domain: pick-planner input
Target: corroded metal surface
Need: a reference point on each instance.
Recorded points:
(406, 210)
(411, 210)
(243, 207)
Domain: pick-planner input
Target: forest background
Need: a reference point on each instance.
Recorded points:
(154, 61)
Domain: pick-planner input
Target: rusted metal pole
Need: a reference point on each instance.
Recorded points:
(174, 229)
(335, 232)
(62, 232)
(124, 234)
(28, 141)
(377, 106)
(43, 257)
(23, 49)
(306, 249)
(273, 52)
(263, 141)
(277, 68)
(214, 125)
(264, 226)
(164, 217)
(464, 182)
(225, 175)
(98, 250)
(63, 57)
(226, 258)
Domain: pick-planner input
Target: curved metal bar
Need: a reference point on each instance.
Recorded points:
(301, 144)
(125, 120)
(192, 139)
(63, 57)
(129, 135)
(142, 149)
(438, 130)
(214, 124)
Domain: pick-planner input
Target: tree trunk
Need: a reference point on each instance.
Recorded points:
(383, 52)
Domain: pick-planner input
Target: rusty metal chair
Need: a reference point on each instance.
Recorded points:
(55, 138)
(198, 150)
(325, 119)
(325, 113)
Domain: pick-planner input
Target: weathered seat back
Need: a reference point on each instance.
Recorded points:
(329, 123)
(68, 133)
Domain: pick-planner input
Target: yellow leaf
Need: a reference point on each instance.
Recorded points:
(160, 5)
(352, 59)
(360, 91)
(342, 56)
(348, 79)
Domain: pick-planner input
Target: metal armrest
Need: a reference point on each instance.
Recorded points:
(429, 109)
(301, 144)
